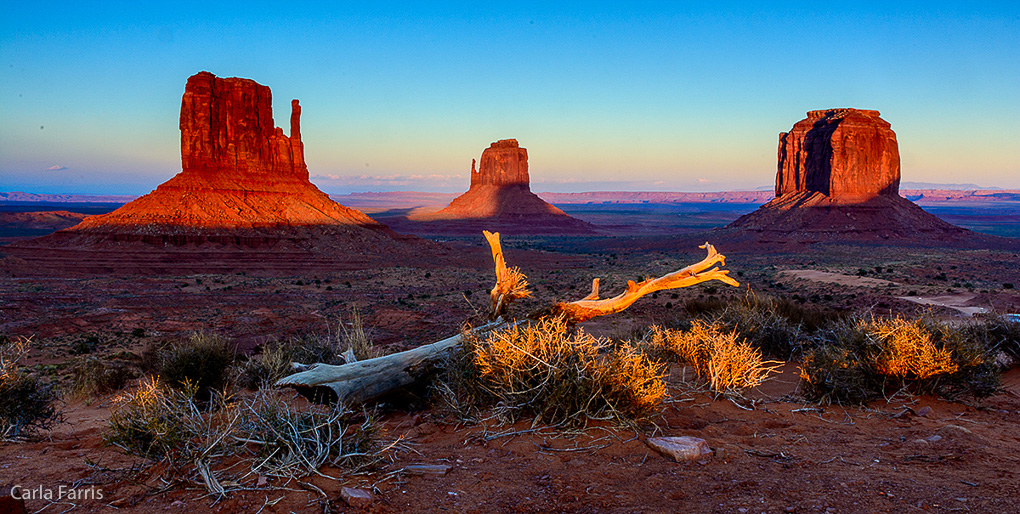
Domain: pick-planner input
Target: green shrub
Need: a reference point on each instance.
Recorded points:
(202, 361)
(778, 327)
(27, 402)
(274, 359)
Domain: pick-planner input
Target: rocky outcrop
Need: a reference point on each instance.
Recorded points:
(500, 198)
(504, 164)
(838, 180)
(243, 185)
(239, 171)
(849, 155)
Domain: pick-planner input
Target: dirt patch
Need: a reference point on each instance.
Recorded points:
(956, 301)
(837, 278)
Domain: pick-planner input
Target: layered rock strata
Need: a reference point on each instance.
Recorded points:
(849, 155)
(500, 198)
(838, 179)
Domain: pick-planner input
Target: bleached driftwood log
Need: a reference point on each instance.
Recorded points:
(363, 381)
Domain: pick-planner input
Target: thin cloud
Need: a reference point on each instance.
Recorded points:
(56, 167)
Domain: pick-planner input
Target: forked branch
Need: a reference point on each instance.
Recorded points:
(591, 306)
(363, 381)
(511, 284)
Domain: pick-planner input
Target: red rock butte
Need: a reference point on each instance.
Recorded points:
(244, 184)
(500, 198)
(838, 179)
(238, 170)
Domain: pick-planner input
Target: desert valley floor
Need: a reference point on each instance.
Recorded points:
(773, 450)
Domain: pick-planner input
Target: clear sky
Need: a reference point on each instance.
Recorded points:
(659, 96)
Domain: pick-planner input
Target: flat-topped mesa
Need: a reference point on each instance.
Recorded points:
(227, 127)
(849, 155)
(504, 163)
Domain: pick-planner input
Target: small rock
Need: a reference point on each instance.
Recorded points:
(680, 449)
(427, 469)
(357, 498)
(923, 411)
(933, 438)
(263, 480)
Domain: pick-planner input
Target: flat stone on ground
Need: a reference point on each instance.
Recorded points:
(680, 449)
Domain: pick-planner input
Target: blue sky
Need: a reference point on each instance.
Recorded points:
(402, 97)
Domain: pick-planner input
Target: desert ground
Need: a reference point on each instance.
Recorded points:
(772, 450)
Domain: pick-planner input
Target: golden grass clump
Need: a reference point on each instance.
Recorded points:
(541, 368)
(860, 359)
(727, 363)
(908, 350)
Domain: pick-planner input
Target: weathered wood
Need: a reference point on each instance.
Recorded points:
(367, 380)
(591, 306)
(364, 381)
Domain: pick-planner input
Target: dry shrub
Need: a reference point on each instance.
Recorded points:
(541, 369)
(728, 364)
(776, 326)
(27, 402)
(273, 438)
(92, 376)
(355, 340)
(908, 351)
(290, 442)
(156, 421)
(857, 360)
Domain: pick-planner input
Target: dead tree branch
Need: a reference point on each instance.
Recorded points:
(364, 381)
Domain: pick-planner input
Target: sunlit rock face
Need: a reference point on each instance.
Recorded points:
(838, 179)
(504, 163)
(849, 155)
(500, 198)
(227, 125)
(239, 171)
(242, 201)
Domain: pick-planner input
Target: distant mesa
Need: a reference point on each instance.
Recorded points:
(500, 198)
(244, 184)
(838, 180)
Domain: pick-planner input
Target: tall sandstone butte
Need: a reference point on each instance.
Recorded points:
(846, 154)
(500, 198)
(239, 171)
(838, 178)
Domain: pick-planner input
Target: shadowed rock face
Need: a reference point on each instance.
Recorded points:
(849, 155)
(500, 198)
